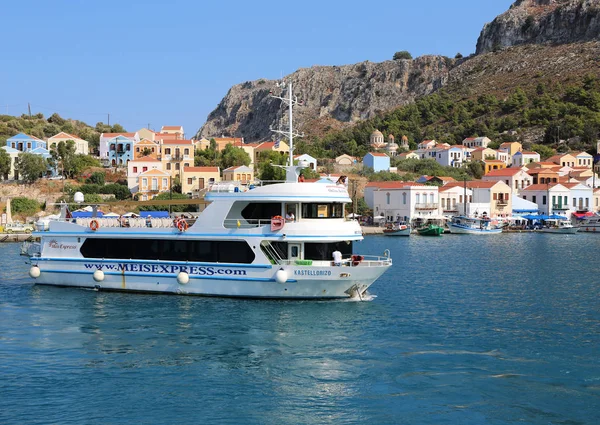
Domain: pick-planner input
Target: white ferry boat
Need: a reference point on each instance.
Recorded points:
(240, 246)
(590, 224)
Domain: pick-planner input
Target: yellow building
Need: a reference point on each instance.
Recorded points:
(493, 164)
(196, 179)
(145, 147)
(240, 173)
(153, 182)
(81, 146)
(280, 147)
(481, 154)
(176, 155)
(511, 148)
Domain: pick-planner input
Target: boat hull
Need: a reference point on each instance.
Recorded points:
(402, 232)
(301, 282)
(431, 231)
(561, 231)
(472, 231)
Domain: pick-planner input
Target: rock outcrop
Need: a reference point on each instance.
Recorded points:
(542, 22)
(343, 93)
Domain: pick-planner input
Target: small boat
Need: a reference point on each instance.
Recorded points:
(590, 224)
(399, 229)
(473, 226)
(430, 230)
(561, 227)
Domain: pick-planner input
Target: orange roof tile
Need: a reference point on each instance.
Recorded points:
(504, 172)
(111, 135)
(177, 142)
(201, 169)
(171, 127)
(377, 154)
(146, 158)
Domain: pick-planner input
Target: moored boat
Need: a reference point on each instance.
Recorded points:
(399, 229)
(590, 224)
(430, 230)
(472, 226)
(560, 227)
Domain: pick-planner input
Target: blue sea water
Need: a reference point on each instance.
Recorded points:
(463, 330)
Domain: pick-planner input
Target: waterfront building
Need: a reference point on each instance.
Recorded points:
(405, 201)
(377, 161)
(551, 198)
(241, 173)
(494, 198)
(81, 146)
(25, 143)
(453, 198)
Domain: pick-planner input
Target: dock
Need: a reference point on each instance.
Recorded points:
(17, 237)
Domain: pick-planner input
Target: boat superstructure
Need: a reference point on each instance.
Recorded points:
(559, 227)
(241, 245)
(590, 224)
(472, 226)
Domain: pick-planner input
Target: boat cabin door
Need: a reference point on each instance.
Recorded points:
(294, 251)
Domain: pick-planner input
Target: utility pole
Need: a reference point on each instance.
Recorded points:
(108, 119)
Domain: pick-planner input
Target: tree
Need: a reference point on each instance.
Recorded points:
(5, 163)
(231, 156)
(458, 56)
(97, 177)
(30, 167)
(118, 128)
(402, 55)
(544, 151)
(23, 205)
(146, 151)
(62, 156)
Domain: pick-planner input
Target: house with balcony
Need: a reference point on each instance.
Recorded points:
(145, 147)
(25, 143)
(240, 173)
(551, 198)
(494, 198)
(582, 197)
(377, 161)
(453, 198)
(81, 146)
(516, 178)
(522, 158)
(137, 167)
(153, 182)
(195, 180)
(120, 152)
(453, 156)
(481, 154)
(175, 155)
(405, 201)
(476, 142)
(105, 141)
(543, 175)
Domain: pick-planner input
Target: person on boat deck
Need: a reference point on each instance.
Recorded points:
(290, 216)
(301, 178)
(149, 221)
(337, 258)
(123, 221)
(341, 180)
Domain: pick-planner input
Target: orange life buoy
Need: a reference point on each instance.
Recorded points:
(94, 225)
(182, 225)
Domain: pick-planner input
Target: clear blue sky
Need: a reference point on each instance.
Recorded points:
(171, 62)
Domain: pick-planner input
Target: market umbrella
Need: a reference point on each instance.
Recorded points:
(557, 217)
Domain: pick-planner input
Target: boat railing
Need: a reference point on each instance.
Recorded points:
(235, 223)
(354, 261)
(137, 222)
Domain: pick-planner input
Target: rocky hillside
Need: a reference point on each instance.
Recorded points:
(541, 22)
(533, 41)
(344, 94)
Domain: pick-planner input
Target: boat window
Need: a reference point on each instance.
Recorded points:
(169, 250)
(261, 210)
(324, 251)
(318, 210)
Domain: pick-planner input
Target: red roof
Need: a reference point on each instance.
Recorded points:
(111, 135)
(540, 170)
(145, 159)
(473, 184)
(177, 142)
(171, 127)
(377, 154)
(504, 172)
(62, 134)
(201, 169)
(393, 184)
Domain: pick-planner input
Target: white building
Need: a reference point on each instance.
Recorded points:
(521, 159)
(476, 142)
(312, 162)
(516, 178)
(453, 199)
(405, 201)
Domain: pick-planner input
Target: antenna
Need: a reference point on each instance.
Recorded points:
(290, 101)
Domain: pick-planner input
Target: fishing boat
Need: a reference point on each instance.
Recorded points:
(472, 226)
(559, 227)
(239, 246)
(430, 230)
(398, 229)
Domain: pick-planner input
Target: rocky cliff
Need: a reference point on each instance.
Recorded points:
(339, 94)
(541, 22)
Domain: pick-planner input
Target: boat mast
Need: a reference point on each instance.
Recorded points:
(465, 198)
(291, 101)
